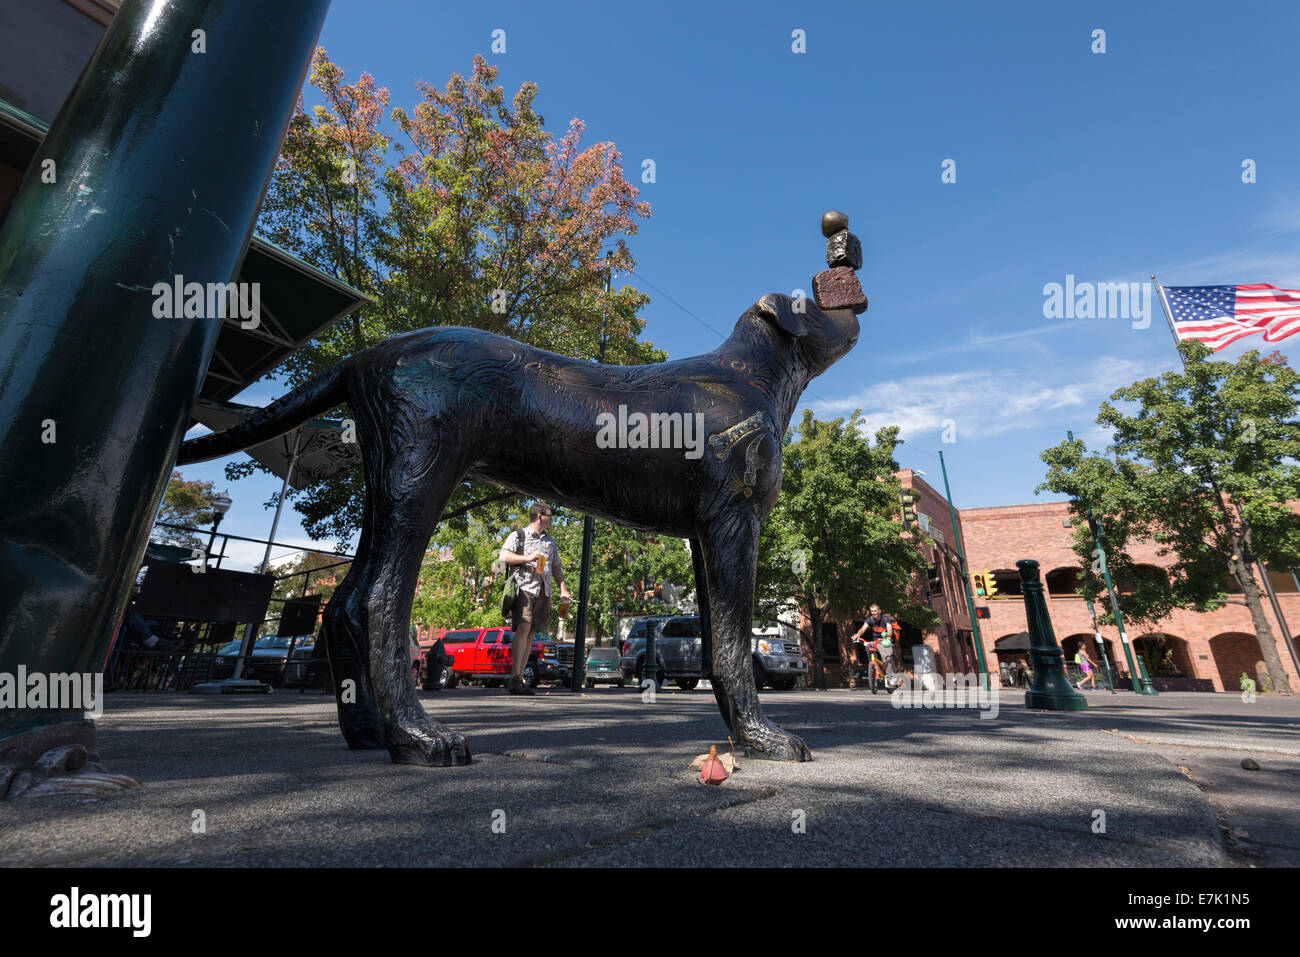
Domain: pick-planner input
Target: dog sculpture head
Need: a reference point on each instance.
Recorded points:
(819, 338)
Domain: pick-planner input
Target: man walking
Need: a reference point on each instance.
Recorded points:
(535, 562)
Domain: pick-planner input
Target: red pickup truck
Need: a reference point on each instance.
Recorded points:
(484, 653)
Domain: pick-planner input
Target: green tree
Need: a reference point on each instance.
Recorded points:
(835, 540)
(290, 580)
(466, 212)
(461, 583)
(460, 580)
(626, 566)
(1203, 468)
(185, 503)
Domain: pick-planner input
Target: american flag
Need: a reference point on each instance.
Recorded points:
(1218, 315)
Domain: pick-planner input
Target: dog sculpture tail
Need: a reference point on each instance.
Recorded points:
(284, 414)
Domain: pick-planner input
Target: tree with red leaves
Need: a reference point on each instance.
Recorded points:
(461, 211)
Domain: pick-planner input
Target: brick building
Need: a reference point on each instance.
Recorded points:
(1186, 651)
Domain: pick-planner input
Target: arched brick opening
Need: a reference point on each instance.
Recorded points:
(1007, 581)
(1070, 644)
(1234, 652)
(1063, 580)
(1166, 656)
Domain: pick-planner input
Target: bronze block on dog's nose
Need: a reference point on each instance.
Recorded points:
(838, 288)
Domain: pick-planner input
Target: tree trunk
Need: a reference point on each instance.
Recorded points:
(847, 652)
(818, 653)
(1263, 631)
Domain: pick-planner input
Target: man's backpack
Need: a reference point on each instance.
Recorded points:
(512, 587)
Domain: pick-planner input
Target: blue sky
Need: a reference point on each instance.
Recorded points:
(1105, 166)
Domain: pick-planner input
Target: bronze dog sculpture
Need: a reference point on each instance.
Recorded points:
(436, 406)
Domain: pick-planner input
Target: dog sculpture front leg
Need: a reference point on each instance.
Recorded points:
(730, 559)
(706, 629)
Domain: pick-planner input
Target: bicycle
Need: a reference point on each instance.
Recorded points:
(877, 675)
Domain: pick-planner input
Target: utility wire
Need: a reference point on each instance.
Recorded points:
(701, 321)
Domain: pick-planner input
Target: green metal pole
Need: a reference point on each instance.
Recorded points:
(1137, 675)
(1101, 647)
(1051, 690)
(965, 580)
(588, 533)
(152, 172)
(1137, 672)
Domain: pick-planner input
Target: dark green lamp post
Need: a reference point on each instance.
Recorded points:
(153, 170)
(1051, 690)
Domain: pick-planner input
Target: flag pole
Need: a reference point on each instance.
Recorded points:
(1263, 570)
(1169, 318)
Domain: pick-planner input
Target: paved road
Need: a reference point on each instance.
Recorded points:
(602, 779)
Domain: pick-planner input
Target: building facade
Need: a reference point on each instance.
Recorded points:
(1189, 650)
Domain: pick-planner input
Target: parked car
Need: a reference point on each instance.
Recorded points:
(485, 654)
(777, 663)
(678, 654)
(603, 667)
(267, 661)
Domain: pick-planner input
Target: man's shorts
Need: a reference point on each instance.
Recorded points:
(536, 611)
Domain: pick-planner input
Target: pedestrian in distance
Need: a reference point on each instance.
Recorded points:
(1087, 666)
(533, 559)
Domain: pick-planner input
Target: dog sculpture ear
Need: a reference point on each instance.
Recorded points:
(779, 310)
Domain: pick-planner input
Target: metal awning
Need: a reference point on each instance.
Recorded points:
(319, 443)
(1012, 643)
(297, 300)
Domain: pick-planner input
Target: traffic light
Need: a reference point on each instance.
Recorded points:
(990, 584)
(980, 590)
(908, 498)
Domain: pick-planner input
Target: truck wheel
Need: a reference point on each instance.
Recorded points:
(453, 678)
(530, 675)
(686, 684)
(590, 683)
(760, 676)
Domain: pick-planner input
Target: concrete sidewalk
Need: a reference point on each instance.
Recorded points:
(603, 779)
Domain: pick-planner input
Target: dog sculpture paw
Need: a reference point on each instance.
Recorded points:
(428, 743)
(762, 739)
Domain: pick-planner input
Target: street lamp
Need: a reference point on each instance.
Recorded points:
(220, 506)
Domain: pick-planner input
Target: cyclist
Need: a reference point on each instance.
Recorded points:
(877, 634)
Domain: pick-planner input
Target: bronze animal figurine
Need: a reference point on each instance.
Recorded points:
(627, 443)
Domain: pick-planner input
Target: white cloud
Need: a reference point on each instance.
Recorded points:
(1236, 266)
(983, 404)
(974, 342)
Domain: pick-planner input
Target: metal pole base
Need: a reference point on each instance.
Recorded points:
(1052, 690)
(232, 686)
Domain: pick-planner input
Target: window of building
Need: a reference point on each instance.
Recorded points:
(936, 580)
(1284, 582)
(1062, 581)
(830, 641)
